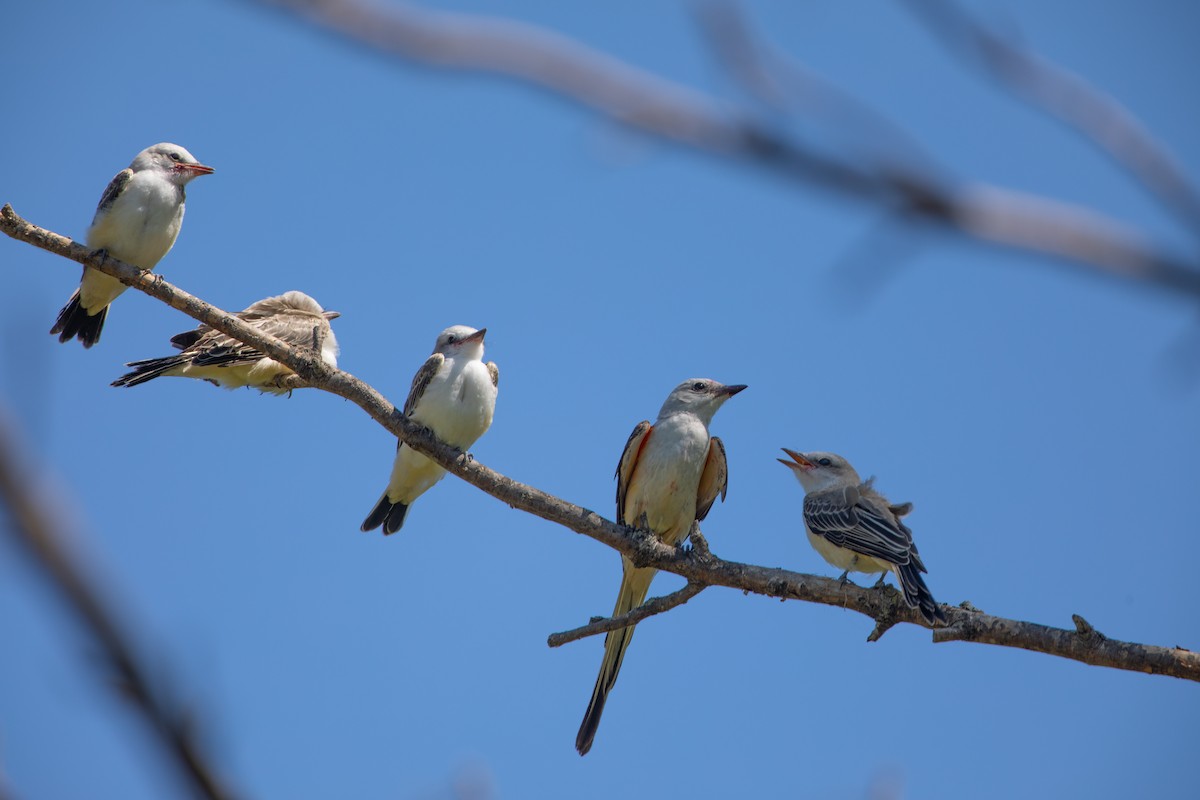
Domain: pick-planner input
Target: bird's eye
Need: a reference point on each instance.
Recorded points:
(175, 156)
(824, 462)
(699, 386)
(451, 339)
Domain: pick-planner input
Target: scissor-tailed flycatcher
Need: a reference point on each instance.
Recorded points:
(454, 395)
(137, 221)
(669, 476)
(212, 356)
(854, 527)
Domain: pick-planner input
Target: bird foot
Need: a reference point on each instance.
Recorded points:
(879, 584)
(845, 578)
(696, 542)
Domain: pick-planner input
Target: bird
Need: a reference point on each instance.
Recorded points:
(856, 529)
(137, 221)
(668, 478)
(210, 355)
(454, 395)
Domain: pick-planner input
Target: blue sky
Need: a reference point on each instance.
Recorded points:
(1034, 415)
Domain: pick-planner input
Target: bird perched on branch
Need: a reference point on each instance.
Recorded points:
(454, 395)
(856, 529)
(668, 477)
(210, 355)
(137, 221)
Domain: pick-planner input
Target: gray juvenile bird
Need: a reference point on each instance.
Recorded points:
(855, 529)
(137, 221)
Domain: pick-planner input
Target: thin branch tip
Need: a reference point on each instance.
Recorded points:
(597, 625)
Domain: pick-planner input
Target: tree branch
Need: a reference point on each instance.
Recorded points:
(655, 605)
(33, 530)
(1068, 98)
(697, 566)
(661, 108)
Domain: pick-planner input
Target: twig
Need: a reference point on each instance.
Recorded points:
(1067, 97)
(783, 83)
(32, 529)
(642, 550)
(649, 608)
(662, 108)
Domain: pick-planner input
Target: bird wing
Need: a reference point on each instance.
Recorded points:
(494, 371)
(421, 382)
(628, 463)
(113, 191)
(188, 339)
(714, 479)
(846, 518)
(215, 349)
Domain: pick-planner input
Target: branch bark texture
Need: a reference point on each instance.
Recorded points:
(699, 566)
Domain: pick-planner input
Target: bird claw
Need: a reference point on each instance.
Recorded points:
(879, 584)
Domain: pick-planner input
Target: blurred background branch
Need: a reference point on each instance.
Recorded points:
(33, 527)
(908, 189)
(1067, 97)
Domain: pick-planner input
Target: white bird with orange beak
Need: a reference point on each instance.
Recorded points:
(669, 476)
(137, 222)
(856, 529)
(454, 395)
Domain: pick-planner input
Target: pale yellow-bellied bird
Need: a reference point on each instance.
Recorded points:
(137, 221)
(856, 529)
(669, 476)
(454, 395)
(210, 355)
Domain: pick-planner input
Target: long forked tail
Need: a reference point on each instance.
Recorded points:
(917, 594)
(635, 584)
(386, 513)
(149, 369)
(74, 321)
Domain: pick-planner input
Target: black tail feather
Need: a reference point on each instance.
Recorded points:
(148, 370)
(917, 594)
(604, 684)
(74, 321)
(386, 513)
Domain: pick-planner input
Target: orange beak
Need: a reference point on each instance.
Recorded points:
(798, 461)
(199, 169)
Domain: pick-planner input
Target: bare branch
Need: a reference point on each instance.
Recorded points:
(1070, 99)
(782, 82)
(33, 530)
(656, 605)
(698, 566)
(662, 108)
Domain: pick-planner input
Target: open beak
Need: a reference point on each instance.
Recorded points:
(730, 391)
(477, 336)
(331, 314)
(199, 169)
(798, 461)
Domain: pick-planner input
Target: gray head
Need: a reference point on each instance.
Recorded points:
(461, 341)
(699, 396)
(175, 162)
(817, 470)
